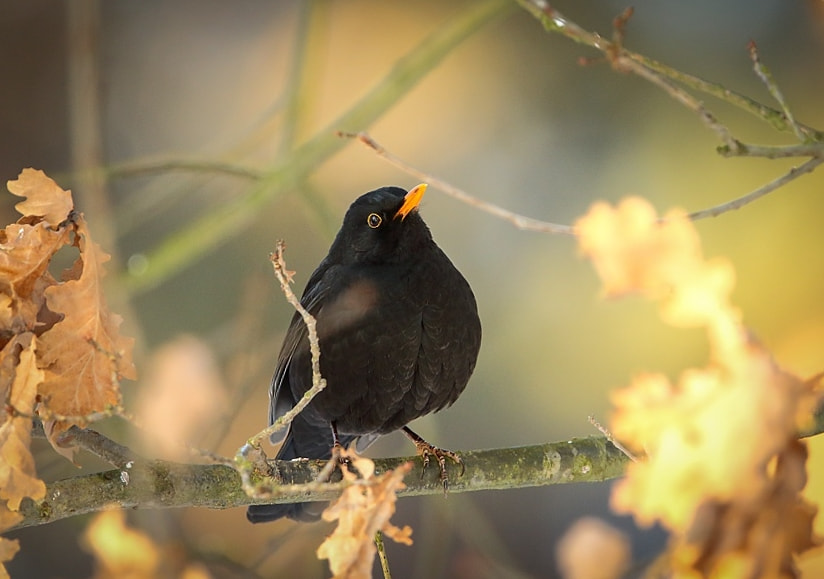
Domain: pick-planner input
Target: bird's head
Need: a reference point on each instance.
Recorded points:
(382, 226)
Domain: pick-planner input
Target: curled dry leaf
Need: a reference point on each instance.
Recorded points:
(362, 510)
(724, 472)
(25, 253)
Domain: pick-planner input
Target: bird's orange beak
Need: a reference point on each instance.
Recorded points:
(411, 201)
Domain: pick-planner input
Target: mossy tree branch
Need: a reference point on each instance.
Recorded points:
(156, 484)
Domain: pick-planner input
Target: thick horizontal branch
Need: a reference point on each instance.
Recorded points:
(155, 484)
(158, 484)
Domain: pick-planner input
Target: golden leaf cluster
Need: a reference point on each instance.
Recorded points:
(61, 352)
(362, 510)
(724, 471)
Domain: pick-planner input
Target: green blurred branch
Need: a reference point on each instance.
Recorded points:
(214, 227)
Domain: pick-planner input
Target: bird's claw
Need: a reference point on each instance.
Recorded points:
(339, 455)
(426, 451)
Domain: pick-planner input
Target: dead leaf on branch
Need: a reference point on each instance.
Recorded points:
(79, 345)
(19, 380)
(362, 510)
(25, 254)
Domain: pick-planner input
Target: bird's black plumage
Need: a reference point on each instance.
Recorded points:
(398, 329)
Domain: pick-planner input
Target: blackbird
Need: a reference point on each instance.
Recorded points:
(399, 335)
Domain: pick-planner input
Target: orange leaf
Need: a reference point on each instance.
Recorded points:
(44, 198)
(25, 254)
(84, 355)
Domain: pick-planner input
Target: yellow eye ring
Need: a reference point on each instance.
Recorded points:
(374, 220)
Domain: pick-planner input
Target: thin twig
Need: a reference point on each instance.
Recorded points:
(520, 221)
(527, 223)
(774, 152)
(387, 574)
(318, 383)
(250, 455)
(605, 431)
(730, 143)
(764, 74)
(554, 21)
(793, 174)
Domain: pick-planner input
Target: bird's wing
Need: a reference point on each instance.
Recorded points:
(281, 399)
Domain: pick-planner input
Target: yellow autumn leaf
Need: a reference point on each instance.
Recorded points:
(724, 470)
(119, 551)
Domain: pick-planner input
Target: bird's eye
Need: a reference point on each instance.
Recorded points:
(374, 220)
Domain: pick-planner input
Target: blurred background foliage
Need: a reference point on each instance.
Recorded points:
(509, 115)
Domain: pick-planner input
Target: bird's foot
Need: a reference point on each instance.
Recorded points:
(337, 460)
(340, 454)
(426, 451)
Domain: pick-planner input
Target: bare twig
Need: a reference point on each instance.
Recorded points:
(793, 173)
(680, 95)
(553, 21)
(250, 455)
(774, 152)
(520, 221)
(605, 431)
(318, 383)
(766, 77)
(387, 574)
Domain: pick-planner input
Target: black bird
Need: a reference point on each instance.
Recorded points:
(399, 336)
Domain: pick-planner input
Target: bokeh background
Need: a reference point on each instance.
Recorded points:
(508, 115)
